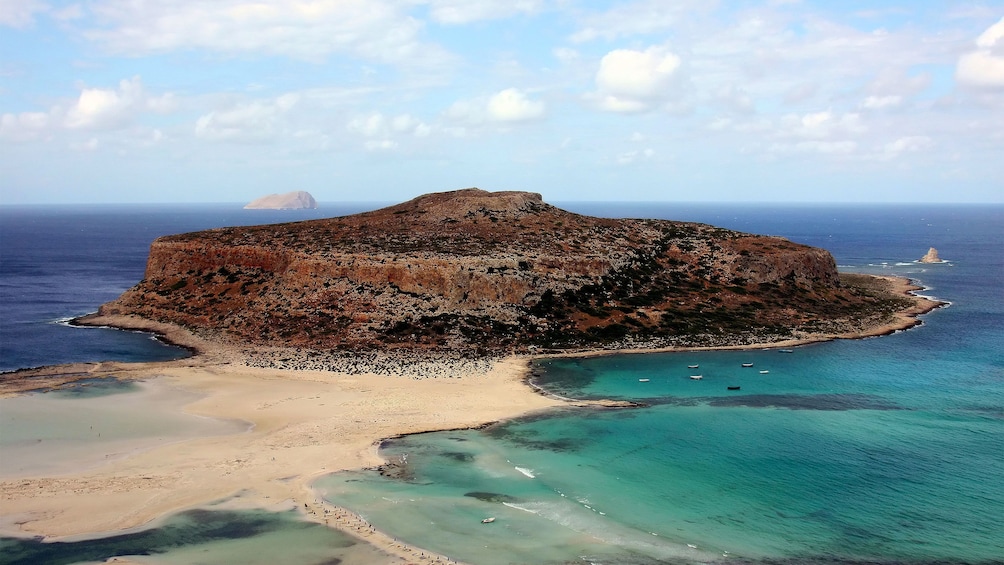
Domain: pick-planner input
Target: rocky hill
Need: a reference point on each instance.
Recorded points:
(491, 272)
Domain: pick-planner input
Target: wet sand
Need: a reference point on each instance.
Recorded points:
(303, 424)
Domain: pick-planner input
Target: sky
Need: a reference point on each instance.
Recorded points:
(382, 100)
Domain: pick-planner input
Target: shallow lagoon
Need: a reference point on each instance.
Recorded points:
(95, 421)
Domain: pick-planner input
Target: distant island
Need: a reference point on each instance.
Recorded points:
(481, 273)
(298, 200)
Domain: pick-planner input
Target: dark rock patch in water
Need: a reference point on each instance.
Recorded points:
(493, 497)
(529, 441)
(806, 401)
(459, 456)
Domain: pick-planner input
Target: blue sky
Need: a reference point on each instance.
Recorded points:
(382, 100)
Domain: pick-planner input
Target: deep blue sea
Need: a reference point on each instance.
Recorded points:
(60, 262)
(883, 450)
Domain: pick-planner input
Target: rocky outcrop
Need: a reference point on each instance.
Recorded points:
(931, 256)
(298, 200)
(480, 271)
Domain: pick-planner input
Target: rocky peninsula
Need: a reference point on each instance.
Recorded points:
(476, 273)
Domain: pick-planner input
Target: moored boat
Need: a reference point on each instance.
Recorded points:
(747, 364)
(696, 377)
(733, 387)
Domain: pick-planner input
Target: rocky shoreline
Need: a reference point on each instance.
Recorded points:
(418, 364)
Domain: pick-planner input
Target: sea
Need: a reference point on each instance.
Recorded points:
(883, 450)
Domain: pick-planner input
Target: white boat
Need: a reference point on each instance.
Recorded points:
(488, 520)
(643, 380)
(787, 350)
(696, 377)
(692, 366)
(747, 364)
(764, 372)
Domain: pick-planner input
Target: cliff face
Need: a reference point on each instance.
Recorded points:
(476, 270)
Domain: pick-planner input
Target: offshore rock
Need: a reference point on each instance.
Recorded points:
(931, 256)
(299, 200)
(486, 272)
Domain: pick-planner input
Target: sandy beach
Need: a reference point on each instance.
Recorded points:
(300, 424)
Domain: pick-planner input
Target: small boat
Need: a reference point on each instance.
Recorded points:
(643, 380)
(692, 366)
(488, 520)
(747, 364)
(787, 350)
(696, 377)
(733, 388)
(764, 372)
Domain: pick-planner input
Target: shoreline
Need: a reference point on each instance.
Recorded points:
(305, 424)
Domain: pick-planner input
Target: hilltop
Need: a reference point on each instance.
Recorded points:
(481, 272)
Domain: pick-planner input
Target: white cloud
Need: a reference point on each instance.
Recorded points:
(636, 18)
(466, 11)
(98, 108)
(992, 36)
(380, 145)
(248, 122)
(634, 81)
(89, 145)
(377, 125)
(20, 13)
(816, 146)
(407, 124)
(512, 105)
(94, 109)
(880, 102)
(104, 109)
(908, 144)
(378, 30)
(370, 126)
(25, 125)
(634, 156)
(565, 54)
(820, 125)
(984, 67)
(383, 133)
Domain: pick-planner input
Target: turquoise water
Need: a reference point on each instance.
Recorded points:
(882, 450)
(832, 455)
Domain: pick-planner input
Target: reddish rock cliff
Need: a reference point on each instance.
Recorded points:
(471, 269)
